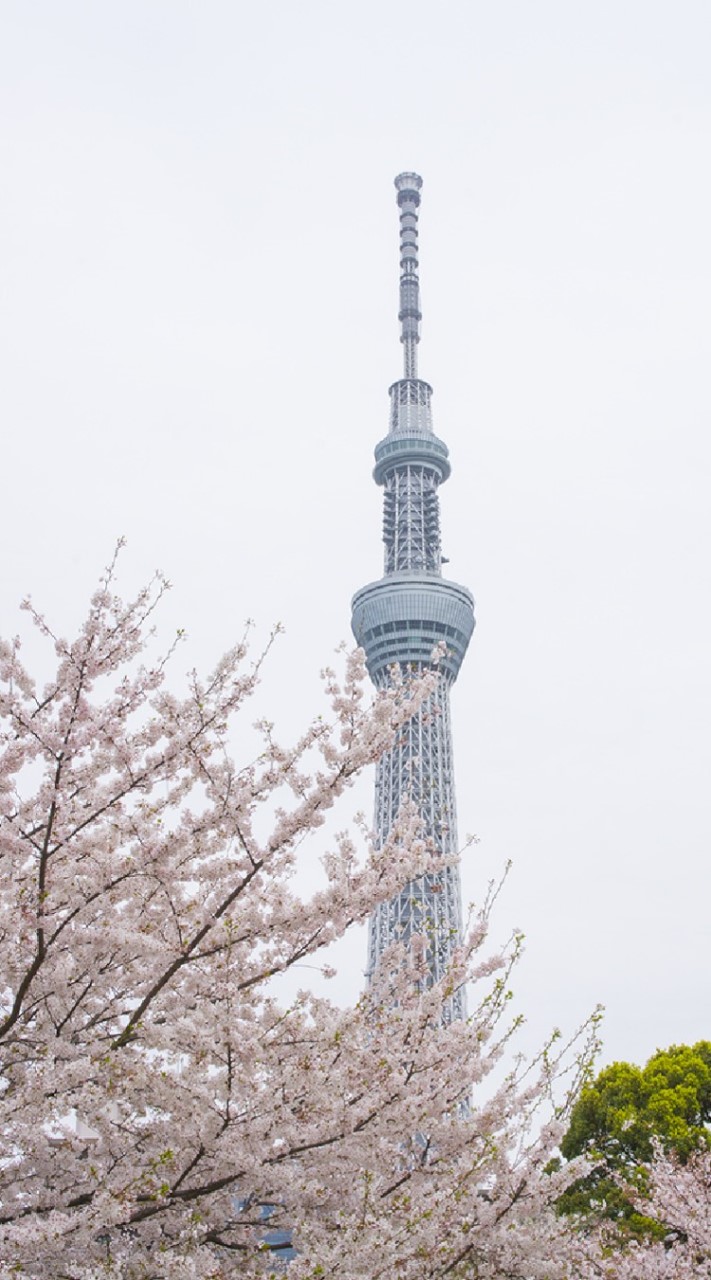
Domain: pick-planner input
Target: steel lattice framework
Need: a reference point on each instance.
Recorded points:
(401, 619)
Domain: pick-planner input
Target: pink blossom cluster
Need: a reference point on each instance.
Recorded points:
(157, 1100)
(679, 1198)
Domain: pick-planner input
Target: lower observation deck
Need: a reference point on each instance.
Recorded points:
(404, 616)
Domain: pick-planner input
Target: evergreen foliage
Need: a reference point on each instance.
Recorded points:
(618, 1120)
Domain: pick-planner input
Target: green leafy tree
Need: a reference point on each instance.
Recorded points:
(619, 1117)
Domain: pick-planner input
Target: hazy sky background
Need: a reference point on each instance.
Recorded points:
(199, 266)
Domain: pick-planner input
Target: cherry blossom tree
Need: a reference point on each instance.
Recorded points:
(679, 1197)
(163, 1114)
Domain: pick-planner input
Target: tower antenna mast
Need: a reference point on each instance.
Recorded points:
(408, 186)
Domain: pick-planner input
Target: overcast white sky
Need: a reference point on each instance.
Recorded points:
(198, 266)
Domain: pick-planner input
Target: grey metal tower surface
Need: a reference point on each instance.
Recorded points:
(401, 619)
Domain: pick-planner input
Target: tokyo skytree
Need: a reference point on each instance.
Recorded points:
(401, 619)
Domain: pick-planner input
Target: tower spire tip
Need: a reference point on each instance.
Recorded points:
(408, 182)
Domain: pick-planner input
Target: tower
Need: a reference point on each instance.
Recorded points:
(401, 619)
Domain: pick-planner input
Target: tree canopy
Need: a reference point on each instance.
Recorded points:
(627, 1107)
(677, 1195)
(620, 1117)
(164, 1114)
